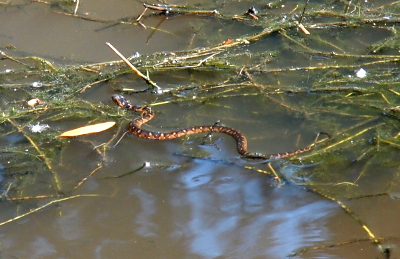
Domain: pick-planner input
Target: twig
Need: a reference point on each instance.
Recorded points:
(85, 17)
(88, 176)
(11, 58)
(44, 206)
(141, 15)
(129, 64)
(174, 9)
(201, 62)
(275, 173)
(155, 7)
(92, 84)
(76, 6)
(304, 10)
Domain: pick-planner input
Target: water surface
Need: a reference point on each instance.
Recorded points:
(195, 197)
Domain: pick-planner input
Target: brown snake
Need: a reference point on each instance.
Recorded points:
(146, 114)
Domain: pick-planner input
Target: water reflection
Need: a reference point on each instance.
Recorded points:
(42, 247)
(70, 225)
(299, 227)
(143, 220)
(200, 174)
(222, 211)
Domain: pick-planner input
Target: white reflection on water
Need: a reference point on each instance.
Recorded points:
(298, 226)
(144, 219)
(276, 228)
(42, 247)
(198, 175)
(236, 215)
(70, 225)
(206, 231)
(222, 211)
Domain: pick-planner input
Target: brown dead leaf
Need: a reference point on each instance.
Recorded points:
(88, 129)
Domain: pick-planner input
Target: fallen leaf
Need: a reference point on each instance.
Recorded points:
(88, 129)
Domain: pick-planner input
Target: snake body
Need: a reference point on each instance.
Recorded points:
(147, 114)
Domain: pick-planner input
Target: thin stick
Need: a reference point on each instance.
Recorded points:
(92, 84)
(87, 177)
(275, 173)
(304, 10)
(154, 7)
(142, 24)
(140, 74)
(11, 58)
(168, 9)
(76, 7)
(85, 17)
(141, 15)
(46, 205)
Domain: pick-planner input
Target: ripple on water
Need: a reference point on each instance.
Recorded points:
(199, 174)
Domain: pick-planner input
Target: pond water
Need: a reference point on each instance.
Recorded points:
(100, 196)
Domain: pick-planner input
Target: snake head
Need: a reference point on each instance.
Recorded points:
(121, 101)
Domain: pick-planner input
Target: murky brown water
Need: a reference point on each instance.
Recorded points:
(193, 200)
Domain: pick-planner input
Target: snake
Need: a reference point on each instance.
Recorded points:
(147, 114)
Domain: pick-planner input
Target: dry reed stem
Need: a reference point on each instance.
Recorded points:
(87, 177)
(11, 58)
(44, 206)
(275, 173)
(134, 69)
(76, 6)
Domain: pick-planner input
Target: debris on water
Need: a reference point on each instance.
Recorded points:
(361, 73)
(34, 102)
(37, 84)
(38, 128)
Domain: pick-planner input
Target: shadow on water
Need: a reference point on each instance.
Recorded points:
(99, 196)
